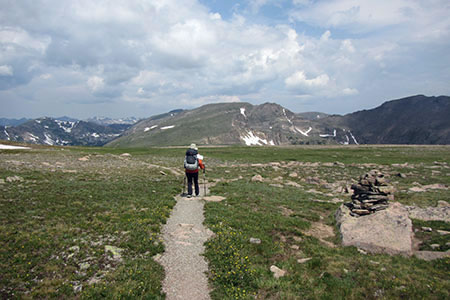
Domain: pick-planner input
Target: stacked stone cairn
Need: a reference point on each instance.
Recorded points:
(371, 194)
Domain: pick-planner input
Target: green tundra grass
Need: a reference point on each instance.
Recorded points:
(84, 222)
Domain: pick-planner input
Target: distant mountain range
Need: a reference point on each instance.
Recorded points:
(412, 120)
(65, 131)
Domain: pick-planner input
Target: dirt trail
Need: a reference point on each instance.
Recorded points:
(184, 236)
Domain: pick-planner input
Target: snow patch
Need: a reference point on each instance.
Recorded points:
(67, 126)
(243, 112)
(48, 140)
(284, 112)
(96, 135)
(150, 128)
(167, 127)
(38, 121)
(32, 137)
(251, 139)
(354, 140)
(305, 133)
(328, 135)
(7, 135)
(9, 147)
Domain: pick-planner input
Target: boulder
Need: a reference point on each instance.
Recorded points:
(388, 231)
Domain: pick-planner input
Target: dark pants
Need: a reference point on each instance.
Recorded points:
(190, 177)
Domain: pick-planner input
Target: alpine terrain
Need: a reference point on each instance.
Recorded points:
(413, 120)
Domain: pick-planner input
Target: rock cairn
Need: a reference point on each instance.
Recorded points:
(371, 194)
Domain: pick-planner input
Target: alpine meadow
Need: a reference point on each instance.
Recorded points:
(86, 222)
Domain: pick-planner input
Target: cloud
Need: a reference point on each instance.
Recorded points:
(173, 53)
(6, 71)
(95, 83)
(299, 81)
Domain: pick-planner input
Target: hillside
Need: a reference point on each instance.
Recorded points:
(231, 123)
(413, 120)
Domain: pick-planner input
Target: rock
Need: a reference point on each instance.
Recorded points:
(257, 178)
(277, 272)
(293, 174)
(440, 213)
(401, 175)
(77, 288)
(14, 179)
(255, 241)
(427, 229)
(435, 246)
(442, 203)
(443, 232)
(388, 231)
(297, 239)
(213, 198)
(431, 255)
(303, 260)
(2, 181)
(74, 249)
(85, 158)
(292, 183)
(115, 251)
(125, 155)
(157, 257)
(162, 173)
(295, 247)
(84, 265)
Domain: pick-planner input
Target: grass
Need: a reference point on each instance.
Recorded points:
(284, 219)
(57, 222)
(60, 222)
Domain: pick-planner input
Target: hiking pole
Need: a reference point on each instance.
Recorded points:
(204, 182)
(184, 186)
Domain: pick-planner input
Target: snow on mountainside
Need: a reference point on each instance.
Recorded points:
(49, 131)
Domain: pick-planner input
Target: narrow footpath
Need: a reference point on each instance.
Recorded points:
(184, 236)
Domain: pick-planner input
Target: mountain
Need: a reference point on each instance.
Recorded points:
(230, 123)
(12, 122)
(109, 121)
(412, 120)
(49, 131)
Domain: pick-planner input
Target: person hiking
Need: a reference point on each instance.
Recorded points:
(192, 163)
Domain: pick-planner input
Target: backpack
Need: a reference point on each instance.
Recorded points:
(191, 161)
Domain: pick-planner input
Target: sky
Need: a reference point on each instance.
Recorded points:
(115, 58)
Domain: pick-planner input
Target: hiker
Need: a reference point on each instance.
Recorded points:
(192, 162)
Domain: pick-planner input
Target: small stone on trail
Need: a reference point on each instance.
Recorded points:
(125, 155)
(293, 174)
(362, 251)
(255, 241)
(295, 247)
(297, 238)
(427, 229)
(277, 272)
(303, 260)
(85, 158)
(213, 198)
(162, 173)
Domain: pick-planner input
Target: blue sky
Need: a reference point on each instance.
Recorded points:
(139, 58)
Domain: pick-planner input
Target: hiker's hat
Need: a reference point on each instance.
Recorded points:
(193, 146)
